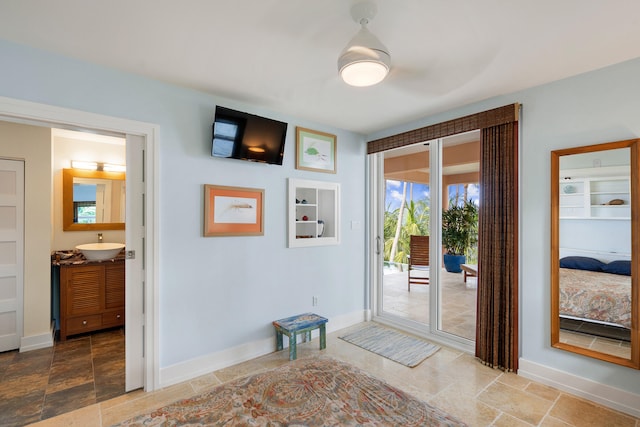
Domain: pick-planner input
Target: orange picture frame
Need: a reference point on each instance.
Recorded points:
(233, 211)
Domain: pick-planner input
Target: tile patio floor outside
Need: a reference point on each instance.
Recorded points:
(458, 301)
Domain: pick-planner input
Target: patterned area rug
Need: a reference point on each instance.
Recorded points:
(392, 344)
(318, 392)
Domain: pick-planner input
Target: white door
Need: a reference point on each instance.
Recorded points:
(11, 253)
(135, 264)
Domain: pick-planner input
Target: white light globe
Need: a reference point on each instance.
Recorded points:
(364, 73)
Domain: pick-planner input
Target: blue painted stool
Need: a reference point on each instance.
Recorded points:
(302, 323)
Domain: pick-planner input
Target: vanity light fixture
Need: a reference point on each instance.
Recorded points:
(365, 61)
(97, 166)
(108, 167)
(80, 164)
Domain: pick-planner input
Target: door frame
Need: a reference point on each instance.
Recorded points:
(19, 111)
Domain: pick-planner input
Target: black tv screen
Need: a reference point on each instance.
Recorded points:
(244, 136)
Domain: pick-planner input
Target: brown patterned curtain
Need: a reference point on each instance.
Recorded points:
(497, 298)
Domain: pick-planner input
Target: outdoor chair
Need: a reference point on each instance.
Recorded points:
(418, 261)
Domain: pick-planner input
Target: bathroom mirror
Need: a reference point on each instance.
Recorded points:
(92, 200)
(594, 251)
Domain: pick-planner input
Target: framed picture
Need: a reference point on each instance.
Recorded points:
(233, 211)
(315, 151)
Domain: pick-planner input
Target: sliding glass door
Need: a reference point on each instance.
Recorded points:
(413, 186)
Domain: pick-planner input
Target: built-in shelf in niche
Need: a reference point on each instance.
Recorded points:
(314, 213)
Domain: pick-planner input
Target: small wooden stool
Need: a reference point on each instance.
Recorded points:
(302, 323)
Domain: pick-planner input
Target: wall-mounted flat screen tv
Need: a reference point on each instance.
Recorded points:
(244, 136)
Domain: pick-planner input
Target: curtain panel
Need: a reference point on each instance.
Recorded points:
(497, 298)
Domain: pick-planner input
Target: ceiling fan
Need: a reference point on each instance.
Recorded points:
(364, 61)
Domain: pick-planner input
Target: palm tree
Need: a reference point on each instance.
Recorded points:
(394, 244)
(400, 224)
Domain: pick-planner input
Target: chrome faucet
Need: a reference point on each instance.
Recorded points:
(99, 237)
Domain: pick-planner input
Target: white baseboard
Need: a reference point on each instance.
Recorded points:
(193, 368)
(35, 342)
(608, 396)
(346, 320)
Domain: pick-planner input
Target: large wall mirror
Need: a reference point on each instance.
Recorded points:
(594, 251)
(93, 200)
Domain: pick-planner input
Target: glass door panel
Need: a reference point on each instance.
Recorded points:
(459, 178)
(406, 201)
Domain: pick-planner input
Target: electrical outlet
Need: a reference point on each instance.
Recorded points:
(315, 301)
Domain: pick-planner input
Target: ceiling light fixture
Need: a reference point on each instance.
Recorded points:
(365, 61)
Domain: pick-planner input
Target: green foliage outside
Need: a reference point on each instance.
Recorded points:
(460, 228)
(461, 238)
(415, 220)
(86, 214)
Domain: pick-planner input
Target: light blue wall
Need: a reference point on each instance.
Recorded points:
(591, 108)
(215, 293)
(595, 107)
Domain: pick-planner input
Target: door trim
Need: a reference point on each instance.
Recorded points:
(19, 111)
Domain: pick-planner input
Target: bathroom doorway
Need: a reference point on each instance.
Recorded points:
(73, 150)
(88, 297)
(140, 291)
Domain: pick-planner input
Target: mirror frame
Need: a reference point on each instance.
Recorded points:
(67, 199)
(632, 144)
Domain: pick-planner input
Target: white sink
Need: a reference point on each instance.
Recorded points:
(100, 251)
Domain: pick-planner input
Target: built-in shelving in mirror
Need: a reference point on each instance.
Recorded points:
(93, 200)
(594, 251)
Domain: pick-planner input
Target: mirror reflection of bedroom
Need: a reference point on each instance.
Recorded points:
(592, 298)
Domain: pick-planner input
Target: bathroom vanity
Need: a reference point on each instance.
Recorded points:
(91, 296)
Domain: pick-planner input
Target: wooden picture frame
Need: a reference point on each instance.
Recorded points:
(315, 150)
(233, 211)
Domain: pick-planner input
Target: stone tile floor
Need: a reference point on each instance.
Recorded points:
(450, 379)
(587, 336)
(75, 373)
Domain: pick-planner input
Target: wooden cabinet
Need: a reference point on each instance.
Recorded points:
(314, 213)
(91, 297)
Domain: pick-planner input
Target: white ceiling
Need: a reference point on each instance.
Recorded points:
(281, 54)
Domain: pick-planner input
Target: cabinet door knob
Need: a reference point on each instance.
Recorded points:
(84, 322)
(118, 316)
